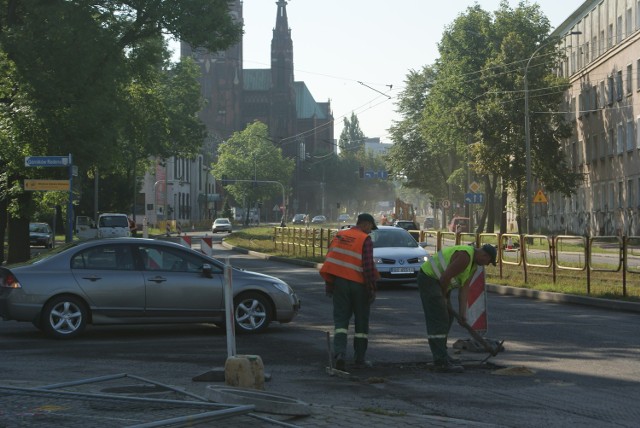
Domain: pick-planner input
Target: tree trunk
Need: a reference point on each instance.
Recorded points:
(18, 227)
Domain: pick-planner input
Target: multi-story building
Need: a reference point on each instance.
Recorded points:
(602, 41)
(234, 97)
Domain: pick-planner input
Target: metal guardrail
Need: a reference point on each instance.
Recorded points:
(615, 254)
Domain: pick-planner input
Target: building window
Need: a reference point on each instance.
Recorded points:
(610, 36)
(630, 135)
(620, 139)
(630, 194)
(612, 142)
(629, 79)
(619, 85)
(595, 146)
(638, 134)
(612, 195)
(586, 53)
(619, 34)
(603, 144)
(638, 75)
(629, 23)
(610, 90)
(620, 194)
(602, 95)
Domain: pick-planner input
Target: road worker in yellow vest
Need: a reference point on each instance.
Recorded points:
(350, 276)
(450, 268)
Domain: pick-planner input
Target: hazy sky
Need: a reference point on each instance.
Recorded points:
(339, 43)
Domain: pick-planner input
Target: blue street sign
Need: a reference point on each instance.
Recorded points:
(46, 161)
(382, 174)
(474, 198)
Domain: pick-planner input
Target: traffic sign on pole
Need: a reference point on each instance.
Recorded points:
(474, 198)
(48, 161)
(46, 185)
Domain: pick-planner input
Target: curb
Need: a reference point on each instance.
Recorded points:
(618, 305)
(549, 296)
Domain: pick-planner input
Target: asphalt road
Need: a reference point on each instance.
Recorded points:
(562, 365)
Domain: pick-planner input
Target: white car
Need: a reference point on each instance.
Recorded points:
(221, 225)
(397, 255)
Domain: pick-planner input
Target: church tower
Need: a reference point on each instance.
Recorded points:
(282, 120)
(221, 83)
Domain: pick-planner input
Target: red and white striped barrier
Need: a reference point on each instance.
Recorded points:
(185, 240)
(206, 246)
(477, 302)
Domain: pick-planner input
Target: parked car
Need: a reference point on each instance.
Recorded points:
(397, 255)
(299, 219)
(40, 234)
(221, 225)
(319, 219)
(113, 225)
(459, 225)
(409, 226)
(136, 281)
(343, 218)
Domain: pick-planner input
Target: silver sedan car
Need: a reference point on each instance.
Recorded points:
(136, 281)
(397, 255)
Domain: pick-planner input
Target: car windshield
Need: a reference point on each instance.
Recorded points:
(38, 228)
(114, 221)
(222, 221)
(392, 238)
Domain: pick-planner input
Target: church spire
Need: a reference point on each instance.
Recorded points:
(282, 23)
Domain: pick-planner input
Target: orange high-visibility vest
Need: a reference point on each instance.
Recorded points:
(344, 258)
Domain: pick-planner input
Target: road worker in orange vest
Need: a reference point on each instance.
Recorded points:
(451, 267)
(350, 276)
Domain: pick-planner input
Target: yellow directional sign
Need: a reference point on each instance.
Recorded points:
(46, 185)
(540, 198)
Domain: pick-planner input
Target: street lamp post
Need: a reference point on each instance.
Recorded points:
(527, 136)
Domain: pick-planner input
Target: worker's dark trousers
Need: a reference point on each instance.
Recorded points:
(436, 316)
(350, 298)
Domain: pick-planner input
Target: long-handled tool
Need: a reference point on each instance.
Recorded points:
(493, 350)
(331, 371)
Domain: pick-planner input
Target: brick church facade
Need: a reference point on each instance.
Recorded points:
(235, 97)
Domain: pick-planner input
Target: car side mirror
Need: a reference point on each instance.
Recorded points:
(207, 271)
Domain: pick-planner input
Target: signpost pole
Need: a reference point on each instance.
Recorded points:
(69, 237)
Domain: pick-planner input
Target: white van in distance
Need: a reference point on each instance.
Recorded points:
(111, 225)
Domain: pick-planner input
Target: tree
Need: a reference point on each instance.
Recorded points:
(75, 76)
(251, 158)
(351, 142)
(469, 110)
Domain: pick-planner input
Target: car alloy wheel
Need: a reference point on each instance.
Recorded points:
(252, 313)
(64, 317)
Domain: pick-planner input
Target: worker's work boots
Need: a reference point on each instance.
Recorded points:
(339, 362)
(448, 367)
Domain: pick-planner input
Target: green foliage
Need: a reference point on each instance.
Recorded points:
(352, 138)
(467, 110)
(92, 79)
(250, 155)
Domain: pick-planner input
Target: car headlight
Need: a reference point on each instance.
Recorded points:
(377, 260)
(426, 258)
(282, 287)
